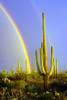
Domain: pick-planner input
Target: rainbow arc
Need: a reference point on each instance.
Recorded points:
(19, 35)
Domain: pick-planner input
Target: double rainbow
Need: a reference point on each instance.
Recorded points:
(19, 36)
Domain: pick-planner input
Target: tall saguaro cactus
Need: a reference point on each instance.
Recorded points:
(43, 58)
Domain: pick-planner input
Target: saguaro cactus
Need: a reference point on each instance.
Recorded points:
(34, 65)
(56, 67)
(19, 65)
(21, 69)
(43, 58)
(4, 70)
(65, 68)
(12, 70)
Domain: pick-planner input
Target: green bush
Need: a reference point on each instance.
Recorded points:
(35, 88)
(59, 85)
(45, 96)
(19, 84)
(65, 93)
(2, 75)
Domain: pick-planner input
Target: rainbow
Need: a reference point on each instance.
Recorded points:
(19, 36)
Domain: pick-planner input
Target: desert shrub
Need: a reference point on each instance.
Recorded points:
(65, 93)
(5, 83)
(2, 75)
(60, 85)
(61, 75)
(11, 76)
(19, 84)
(20, 76)
(35, 88)
(17, 76)
(45, 96)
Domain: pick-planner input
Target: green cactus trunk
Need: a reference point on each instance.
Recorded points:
(45, 46)
(46, 82)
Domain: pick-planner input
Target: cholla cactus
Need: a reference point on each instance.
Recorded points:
(43, 58)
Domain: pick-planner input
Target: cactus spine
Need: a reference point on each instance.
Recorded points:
(43, 58)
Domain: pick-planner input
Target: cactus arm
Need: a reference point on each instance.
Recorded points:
(54, 66)
(51, 70)
(41, 60)
(42, 44)
(37, 61)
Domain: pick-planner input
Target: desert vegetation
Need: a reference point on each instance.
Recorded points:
(30, 86)
(40, 84)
